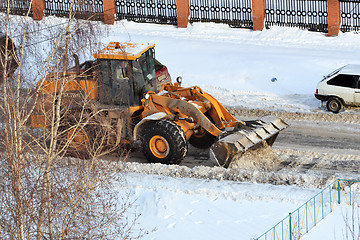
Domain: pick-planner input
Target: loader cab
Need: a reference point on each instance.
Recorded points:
(125, 73)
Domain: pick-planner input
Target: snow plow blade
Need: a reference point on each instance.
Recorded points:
(247, 136)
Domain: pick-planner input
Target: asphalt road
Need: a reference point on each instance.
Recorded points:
(322, 137)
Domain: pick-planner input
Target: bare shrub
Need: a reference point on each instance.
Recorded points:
(44, 194)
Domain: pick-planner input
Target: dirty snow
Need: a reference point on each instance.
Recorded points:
(263, 158)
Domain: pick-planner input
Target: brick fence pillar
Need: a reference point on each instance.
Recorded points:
(182, 12)
(38, 7)
(258, 12)
(109, 11)
(334, 17)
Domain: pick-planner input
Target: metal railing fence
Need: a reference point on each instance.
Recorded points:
(152, 11)
(350, 15)
(17, 7)
(308, 215)
(304, 14)
(236, 13)
(82, 9)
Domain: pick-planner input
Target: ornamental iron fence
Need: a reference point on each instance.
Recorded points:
(236, 13)
(82, 9)
(17, 7)
(152, 11)
(308, 215)
(350, 15)
(305, 14)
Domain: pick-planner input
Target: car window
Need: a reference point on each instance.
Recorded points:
(357, 82)
(343, 80)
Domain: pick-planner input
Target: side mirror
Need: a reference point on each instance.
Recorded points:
(179, 80)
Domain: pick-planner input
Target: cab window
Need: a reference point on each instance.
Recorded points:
(106, 72)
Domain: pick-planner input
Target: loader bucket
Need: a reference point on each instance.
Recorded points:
(223, 151)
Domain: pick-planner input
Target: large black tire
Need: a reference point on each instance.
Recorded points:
(79, 146)
(334, 105)
(164, 142)
(203, 140)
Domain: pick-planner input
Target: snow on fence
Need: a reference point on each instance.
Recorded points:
(308, 215)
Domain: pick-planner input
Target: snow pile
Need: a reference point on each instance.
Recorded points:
(349, 116)
(262, 158)
(314, 180)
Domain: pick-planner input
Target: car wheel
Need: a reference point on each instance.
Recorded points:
(334, 105)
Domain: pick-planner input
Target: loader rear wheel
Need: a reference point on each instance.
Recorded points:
(202, 140)
(79, 141)
(164, 142)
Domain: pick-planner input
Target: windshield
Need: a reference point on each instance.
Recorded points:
(146, 62)
(332, 73)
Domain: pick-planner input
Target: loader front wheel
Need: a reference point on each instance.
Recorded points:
(164, 142)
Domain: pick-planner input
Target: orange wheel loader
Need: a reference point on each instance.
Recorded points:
(134, 95)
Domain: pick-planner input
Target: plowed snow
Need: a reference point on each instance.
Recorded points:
(348, 116)
(263, 158)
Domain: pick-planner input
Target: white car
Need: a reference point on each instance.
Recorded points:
(340, 88)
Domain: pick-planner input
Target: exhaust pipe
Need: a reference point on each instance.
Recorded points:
(77, 64)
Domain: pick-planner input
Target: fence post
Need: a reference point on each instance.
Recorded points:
(183, 13)
(258, 13)
(290, 227)
(109, 11)
(38, 7)
(339, 191)
(334, 17)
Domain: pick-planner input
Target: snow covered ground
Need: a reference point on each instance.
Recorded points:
(342, 224)
(237, 66)
(209, 209)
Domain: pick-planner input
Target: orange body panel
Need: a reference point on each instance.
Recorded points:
(125, 51)
(88, 87)
(190, 108)
(38, 121)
